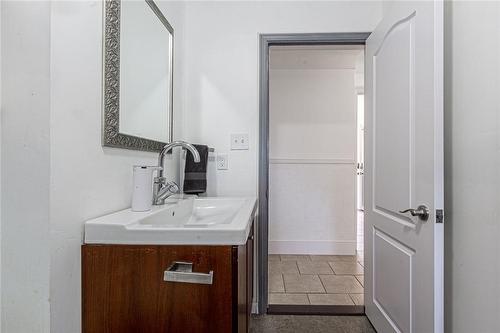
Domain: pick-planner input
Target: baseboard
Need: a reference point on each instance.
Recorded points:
(328, 247)
(286, 309)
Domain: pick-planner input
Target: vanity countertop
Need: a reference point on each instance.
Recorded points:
(182, 221)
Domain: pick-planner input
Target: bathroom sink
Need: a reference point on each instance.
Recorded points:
(196, 213)
(191, 220)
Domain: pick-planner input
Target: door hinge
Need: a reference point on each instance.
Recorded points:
(439, 216)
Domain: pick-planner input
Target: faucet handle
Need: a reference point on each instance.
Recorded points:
(160, 180)
(173, 187)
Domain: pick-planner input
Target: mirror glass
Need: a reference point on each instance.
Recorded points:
(146, 46)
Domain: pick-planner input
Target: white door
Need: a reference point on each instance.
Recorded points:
(404, 169)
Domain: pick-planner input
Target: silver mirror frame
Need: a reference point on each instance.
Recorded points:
(111, 136)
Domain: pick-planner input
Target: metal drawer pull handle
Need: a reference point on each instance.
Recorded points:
(422, 212)
(180, 271)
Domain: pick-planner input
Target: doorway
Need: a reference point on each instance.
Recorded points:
(306, 266)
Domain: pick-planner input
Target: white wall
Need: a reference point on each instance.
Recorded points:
(312, 154)
(312, 114)
(87, 180)
(221, 63)
(25, 140)
(472, 167)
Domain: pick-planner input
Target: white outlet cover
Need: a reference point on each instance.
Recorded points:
(222, 162)
(239, 142)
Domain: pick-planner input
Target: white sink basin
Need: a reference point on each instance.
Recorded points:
(197, 221)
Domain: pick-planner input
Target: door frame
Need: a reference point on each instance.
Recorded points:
(266, 41)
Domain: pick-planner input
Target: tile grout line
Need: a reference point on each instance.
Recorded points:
(283, 280)
(330, 264)
(322, 284)
(362, 284)
(352, 299)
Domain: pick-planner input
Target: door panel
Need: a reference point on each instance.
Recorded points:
(393, 183)
(392, 283)
(403, 159)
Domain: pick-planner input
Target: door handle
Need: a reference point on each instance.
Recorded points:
(422, 212)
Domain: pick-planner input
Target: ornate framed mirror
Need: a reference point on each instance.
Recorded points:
(138, 76)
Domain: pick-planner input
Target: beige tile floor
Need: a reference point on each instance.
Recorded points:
(316, 280)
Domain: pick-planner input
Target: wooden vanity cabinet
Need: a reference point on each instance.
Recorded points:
(123, 289)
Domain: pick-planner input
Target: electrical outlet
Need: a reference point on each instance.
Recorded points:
(239, 141)
(222, 162)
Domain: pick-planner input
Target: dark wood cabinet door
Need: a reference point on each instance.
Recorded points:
(124, 291)
(250, 249)
(242, 302)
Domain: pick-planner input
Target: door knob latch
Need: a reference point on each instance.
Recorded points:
(422, 212)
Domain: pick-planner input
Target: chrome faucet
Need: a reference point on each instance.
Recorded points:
(161, 188)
